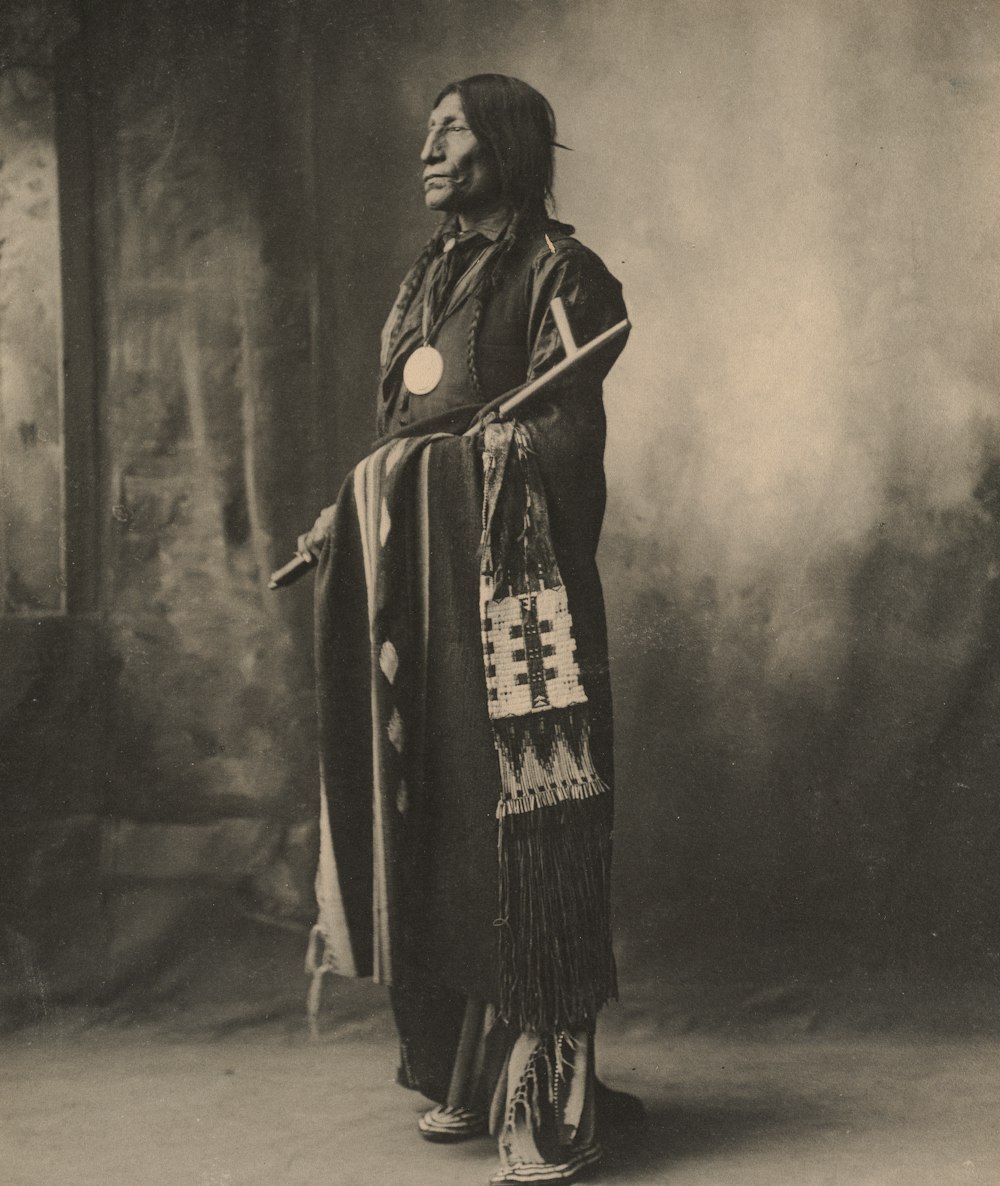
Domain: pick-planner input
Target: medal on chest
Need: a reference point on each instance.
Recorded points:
(423, 370)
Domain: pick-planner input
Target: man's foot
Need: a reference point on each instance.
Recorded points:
(577, 1164)
(619, 1114)
(446, 1125)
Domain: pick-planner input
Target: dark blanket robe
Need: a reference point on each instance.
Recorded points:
(415, 867)
(409, 892)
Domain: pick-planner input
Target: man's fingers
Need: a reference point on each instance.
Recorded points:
(311, 541)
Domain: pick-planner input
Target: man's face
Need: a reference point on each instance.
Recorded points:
(458, 176)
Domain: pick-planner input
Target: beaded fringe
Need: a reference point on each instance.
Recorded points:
(544, 760)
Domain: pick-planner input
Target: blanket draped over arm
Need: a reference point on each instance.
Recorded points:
(441, 733)
(467, 793)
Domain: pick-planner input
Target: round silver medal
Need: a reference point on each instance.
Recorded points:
(423, 370)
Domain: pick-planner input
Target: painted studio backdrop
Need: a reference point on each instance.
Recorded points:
(205, 212)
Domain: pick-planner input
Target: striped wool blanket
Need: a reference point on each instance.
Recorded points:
(397, 688)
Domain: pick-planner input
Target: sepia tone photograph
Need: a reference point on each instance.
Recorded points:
(500, 570)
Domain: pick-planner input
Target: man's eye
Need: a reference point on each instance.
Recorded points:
(456, 128)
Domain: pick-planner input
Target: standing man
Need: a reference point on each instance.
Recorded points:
(465, 709)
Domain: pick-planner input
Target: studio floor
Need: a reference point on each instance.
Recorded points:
(243, 1101)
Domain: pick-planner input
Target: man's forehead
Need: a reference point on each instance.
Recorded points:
(449, 110)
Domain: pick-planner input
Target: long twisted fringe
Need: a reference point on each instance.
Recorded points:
(557, 968)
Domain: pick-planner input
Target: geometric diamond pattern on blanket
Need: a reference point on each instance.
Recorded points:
(395, 731)
(530, 654)
(388, 660)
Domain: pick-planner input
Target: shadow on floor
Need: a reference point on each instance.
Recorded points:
(676, 1133)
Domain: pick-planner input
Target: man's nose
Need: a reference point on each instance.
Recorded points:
(432, 150)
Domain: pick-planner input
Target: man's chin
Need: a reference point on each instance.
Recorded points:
(440, 203)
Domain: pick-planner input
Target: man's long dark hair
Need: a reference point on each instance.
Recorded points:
(517, 126)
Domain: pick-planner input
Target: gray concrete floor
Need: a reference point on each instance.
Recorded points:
(231, 1105)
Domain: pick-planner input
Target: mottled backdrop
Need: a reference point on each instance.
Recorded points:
(801, 551)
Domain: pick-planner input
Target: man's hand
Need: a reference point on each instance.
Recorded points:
(311, 541)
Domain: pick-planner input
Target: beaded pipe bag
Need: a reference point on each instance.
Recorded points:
(555, 958)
